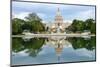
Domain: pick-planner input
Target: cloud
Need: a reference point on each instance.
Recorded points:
(83, 15)
(67, 21)
(41, 15)
(84, 52)
(21, 15)
(47, 12)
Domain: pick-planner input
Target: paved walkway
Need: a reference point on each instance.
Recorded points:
(50, 35)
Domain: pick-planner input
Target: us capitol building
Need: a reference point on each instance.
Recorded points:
(58, 26)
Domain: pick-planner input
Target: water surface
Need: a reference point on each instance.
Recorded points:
(52, 50)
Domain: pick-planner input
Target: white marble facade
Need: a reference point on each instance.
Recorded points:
(58, 26)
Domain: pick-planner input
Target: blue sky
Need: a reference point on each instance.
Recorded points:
(48, 11)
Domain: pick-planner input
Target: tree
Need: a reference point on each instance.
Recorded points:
(88, 24)
(77, 25)
(80, 26)
(33, 17)
(93, 28)
(26, 26)
(35, 22)
(16, 26)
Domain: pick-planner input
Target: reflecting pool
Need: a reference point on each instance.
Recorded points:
(52, 50)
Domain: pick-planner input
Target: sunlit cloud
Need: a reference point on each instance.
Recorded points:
(47, 12)
(21, 15)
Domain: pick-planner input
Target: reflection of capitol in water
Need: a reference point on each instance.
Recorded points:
(58, 43)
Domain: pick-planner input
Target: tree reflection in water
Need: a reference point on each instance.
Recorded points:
(79, 42)
(34, 45)
(17, 45)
